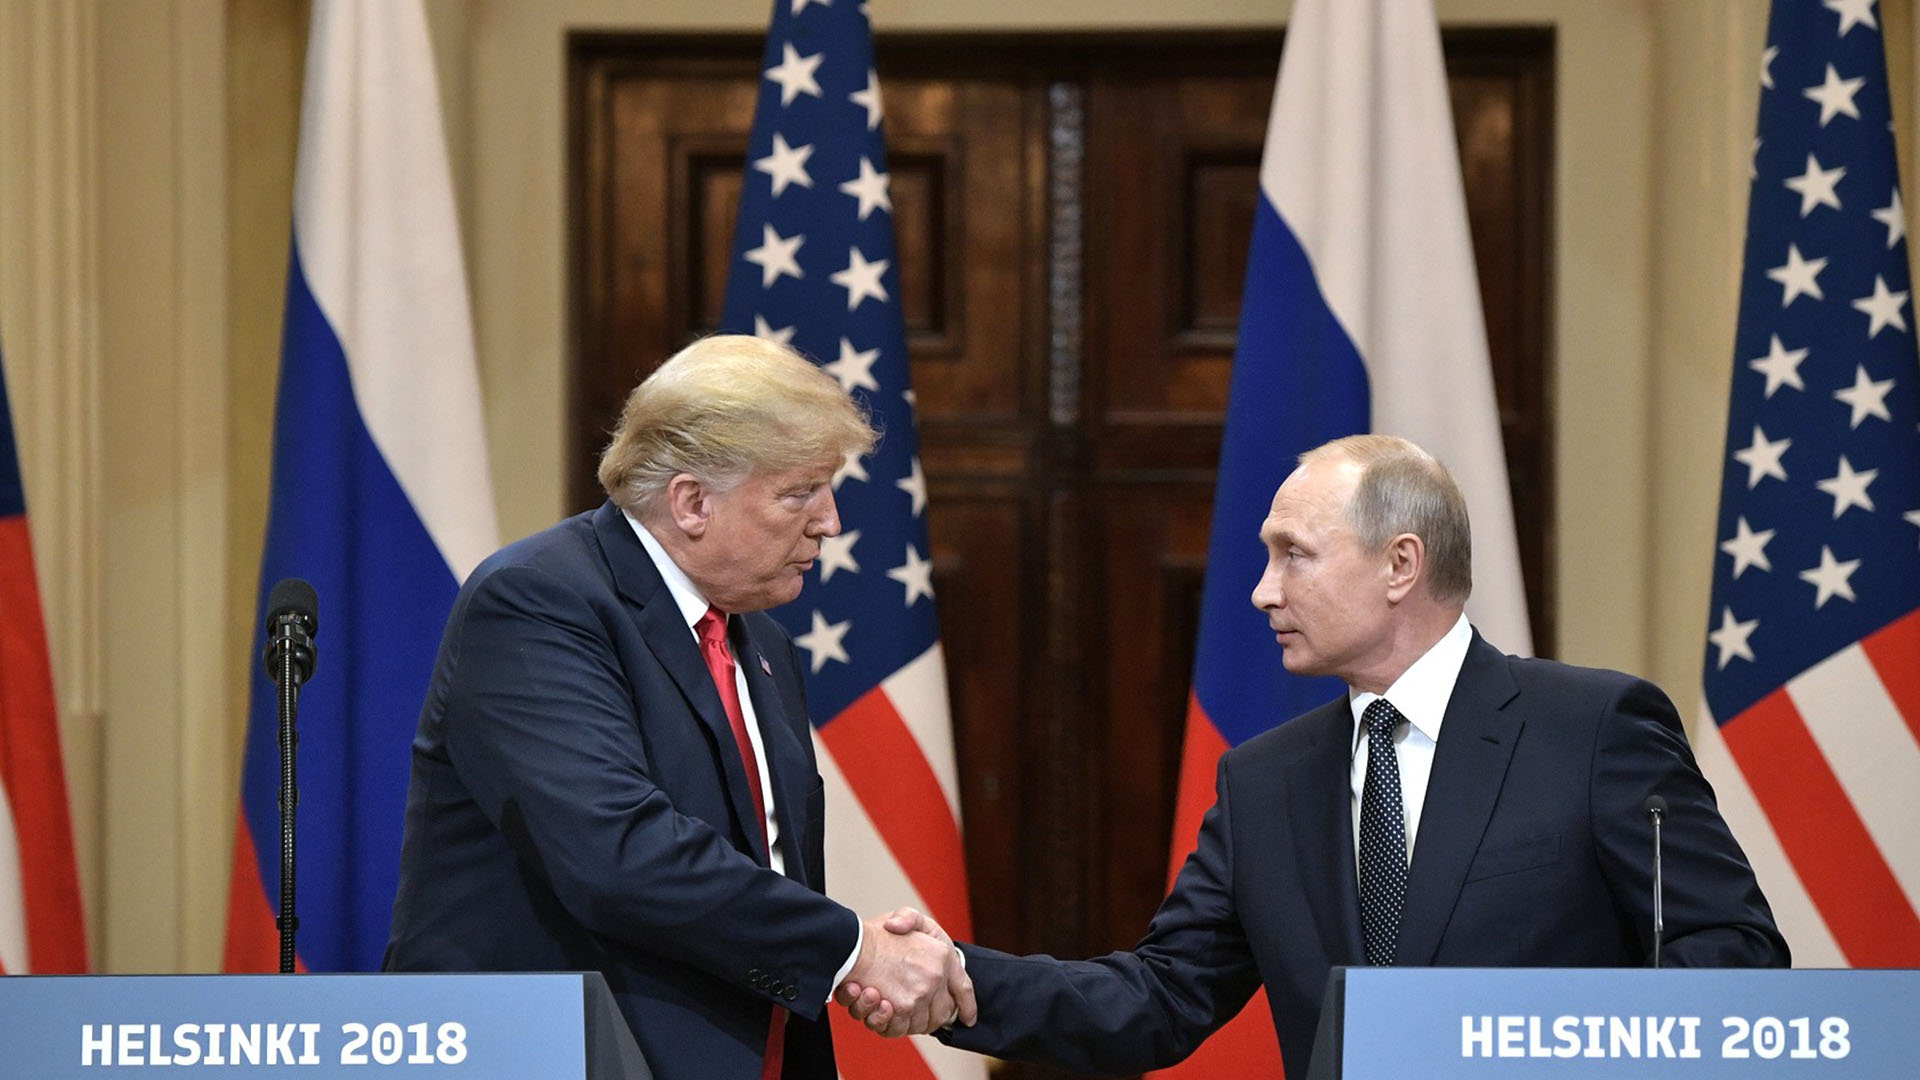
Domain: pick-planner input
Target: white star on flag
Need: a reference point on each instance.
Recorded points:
(854, 368)
(786, 165)
(1748, 548)
(1829, 579)
(1848, 488)
(916, 574)
(850, 468)
(873, 189)
(795, 74)
(1835, 96)
(1816, 186)
(823, 641)
(801, 5)
(1799, 276)
(1912, 517)
(861, 278)
(869, 99)
(1853, 13)
(1781, 366)
(1766, 66)
(775, 256)
(836, 553)
(1762, 459)
(1894, 217)
(764, 329)
(1866, 397)
(915, 485)
(1882, 309)
(1732, 637)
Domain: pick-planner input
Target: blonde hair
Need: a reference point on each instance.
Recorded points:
(723, 408)
(1404, 489)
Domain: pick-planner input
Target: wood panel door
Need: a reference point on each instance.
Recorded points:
(1073, 215)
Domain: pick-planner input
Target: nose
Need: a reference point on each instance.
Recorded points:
(826, 517)
(1267, 593)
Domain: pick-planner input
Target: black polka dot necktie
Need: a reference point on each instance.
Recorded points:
(1383, 837)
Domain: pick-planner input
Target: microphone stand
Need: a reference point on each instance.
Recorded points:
(291, 621)
(1656, 813)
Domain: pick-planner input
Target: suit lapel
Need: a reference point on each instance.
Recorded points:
(672, 643)
(1469, 765)
(1321, 805)
(786, 758)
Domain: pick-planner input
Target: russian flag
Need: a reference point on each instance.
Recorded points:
(1360, 312)
(42, 925)
(381, 496)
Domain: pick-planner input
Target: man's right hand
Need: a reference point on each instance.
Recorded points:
(909, 977)
(950, 999)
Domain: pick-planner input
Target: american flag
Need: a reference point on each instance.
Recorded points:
(814, 266)
(1813, 655)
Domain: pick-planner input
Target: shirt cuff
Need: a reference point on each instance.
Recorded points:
(846, 969)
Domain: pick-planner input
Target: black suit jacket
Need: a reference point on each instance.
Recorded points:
(577, 802)
(1532, 851)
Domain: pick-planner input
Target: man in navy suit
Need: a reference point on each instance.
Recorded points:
(1456, 807)
(614, 768)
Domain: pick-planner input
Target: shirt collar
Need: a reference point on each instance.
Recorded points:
(1422, 691)
(692, 605)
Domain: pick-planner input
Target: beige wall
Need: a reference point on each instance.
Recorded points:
(145, 174)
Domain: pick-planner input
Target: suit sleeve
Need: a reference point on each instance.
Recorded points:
(541, 727)
(1129, 1011)
(1715, 914)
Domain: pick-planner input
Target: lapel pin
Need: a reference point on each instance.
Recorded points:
(766, 667)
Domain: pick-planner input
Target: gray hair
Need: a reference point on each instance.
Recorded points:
(1404, 489)
(723, 408)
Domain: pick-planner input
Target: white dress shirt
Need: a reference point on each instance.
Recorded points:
(1420, 694)
(693, 607)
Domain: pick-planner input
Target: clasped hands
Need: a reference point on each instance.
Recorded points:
(909, 979)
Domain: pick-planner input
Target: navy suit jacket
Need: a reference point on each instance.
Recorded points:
(577, 802)
(1533, 850)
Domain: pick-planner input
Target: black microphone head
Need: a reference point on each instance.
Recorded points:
(294, 596)
(1656, 805)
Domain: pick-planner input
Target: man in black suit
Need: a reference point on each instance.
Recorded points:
(614, 769)
(1457, 807)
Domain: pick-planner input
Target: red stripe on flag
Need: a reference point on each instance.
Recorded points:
(1894, 651)
(1246, 1045)
(859, 1052)
(1838, 862)
(891, 778)
(253, 941)
(36, 781)
(1200, 752)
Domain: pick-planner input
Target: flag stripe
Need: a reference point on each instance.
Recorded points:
(1872, 753)
(1817, 826)
(919, 695)
(42, 870)
(1892, 650)
(1200, 751)
(1812, 945)
(903, 799)
(862, 1053)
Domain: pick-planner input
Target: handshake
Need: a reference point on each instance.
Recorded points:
(909, 979)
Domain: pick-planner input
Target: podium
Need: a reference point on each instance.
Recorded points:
(1525, 1023)
(460, 1027)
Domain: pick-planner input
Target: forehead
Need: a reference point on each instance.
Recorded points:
(1313, 499)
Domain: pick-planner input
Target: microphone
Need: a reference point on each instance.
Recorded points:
(293, 614)
(1656, 808)
(292, 618)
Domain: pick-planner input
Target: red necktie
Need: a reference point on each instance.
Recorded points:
(712, 629)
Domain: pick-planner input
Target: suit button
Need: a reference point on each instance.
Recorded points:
(789, 991)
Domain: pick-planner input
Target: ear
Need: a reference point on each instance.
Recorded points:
(689, 505)
(1406, 565)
